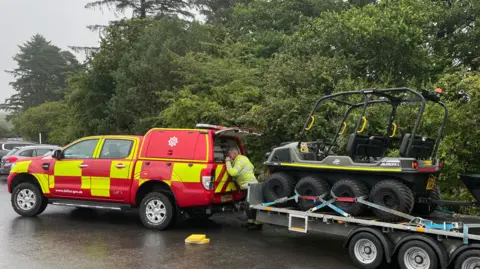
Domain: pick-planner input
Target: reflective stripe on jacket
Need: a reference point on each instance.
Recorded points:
(242, 171)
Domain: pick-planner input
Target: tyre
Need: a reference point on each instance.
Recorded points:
(310, 186)
(469, 259)
(27, 200)
(350, 188)
(278, 185)
(392, 194)
(417, 254)
(366, 251)
(156, 211)
(426, 209)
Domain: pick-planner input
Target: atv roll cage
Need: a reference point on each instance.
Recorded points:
(412, 145)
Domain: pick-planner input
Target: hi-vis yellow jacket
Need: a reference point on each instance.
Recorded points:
(242, 171)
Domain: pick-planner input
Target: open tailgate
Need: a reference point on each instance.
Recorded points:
(238, 132)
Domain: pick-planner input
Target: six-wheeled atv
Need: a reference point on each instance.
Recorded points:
(312, 168)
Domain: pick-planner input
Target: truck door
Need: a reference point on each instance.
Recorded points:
(112, 170)
(69, 176)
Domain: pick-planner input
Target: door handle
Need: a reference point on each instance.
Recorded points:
(83, 165)
(120, 165)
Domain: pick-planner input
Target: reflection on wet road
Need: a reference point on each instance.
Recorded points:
(63, 237)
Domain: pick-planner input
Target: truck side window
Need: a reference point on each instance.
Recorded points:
(81, 150)
(116, 149)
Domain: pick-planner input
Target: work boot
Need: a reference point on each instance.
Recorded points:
(247, 224)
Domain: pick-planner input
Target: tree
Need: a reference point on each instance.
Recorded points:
(52, 119)
(146, 8)
(218, 11)
(41, 74)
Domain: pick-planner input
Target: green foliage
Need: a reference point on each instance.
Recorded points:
(51, 119)
(144, 8)
(41, 74)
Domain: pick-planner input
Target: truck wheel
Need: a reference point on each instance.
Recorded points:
(366, 251)
(426, 209)
(417, 254)
(310, 186)
(27, 200)
(156, 211)
(469, 259)
(350, 188)
(278, 185)
(392, 194)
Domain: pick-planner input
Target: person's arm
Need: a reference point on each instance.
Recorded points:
(233, 171)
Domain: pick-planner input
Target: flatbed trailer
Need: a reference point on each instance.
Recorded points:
(417, 243)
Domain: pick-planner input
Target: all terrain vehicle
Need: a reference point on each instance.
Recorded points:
(313, 169)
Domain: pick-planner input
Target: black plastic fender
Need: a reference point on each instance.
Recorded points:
(441, 252)
(387, 244)
(461, 249)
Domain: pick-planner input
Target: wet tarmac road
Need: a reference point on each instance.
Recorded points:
(64, 237)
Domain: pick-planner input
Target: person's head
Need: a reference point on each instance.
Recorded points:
(233, 152)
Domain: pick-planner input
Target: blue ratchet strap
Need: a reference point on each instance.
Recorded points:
(445, 226)
(282, 200)
(329, 204)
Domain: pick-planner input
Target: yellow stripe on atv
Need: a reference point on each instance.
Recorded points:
(335, 167)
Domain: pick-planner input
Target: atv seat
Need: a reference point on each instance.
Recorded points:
(422, 147)
(363, 146)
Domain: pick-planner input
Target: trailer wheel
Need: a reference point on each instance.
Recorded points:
(392, 194)
(417, 255)
(350, 188)
(366, 251)
(278, 185)
(426, 209)
(310, 186)
(469, 259)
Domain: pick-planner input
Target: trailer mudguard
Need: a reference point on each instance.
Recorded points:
(459, 251)
(387, 244)
(441, 252)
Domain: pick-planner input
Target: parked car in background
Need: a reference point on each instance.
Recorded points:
(19, 153)
(8, 145)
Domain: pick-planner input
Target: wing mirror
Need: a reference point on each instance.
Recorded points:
(57, 154)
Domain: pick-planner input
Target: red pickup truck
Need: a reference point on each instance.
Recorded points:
(164, 173)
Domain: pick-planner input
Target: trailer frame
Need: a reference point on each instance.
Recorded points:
(447, 240)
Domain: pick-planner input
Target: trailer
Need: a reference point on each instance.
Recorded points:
(417, 243)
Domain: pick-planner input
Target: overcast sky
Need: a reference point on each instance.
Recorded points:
(63, 22)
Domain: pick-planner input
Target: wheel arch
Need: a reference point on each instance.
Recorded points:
(155, 185)
(24, 177)
(439, 250)
(460, 250)
(386, 243)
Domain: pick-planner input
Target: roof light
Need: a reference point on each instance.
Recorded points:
(439, 90)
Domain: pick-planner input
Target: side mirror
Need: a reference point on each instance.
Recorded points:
(57, 154)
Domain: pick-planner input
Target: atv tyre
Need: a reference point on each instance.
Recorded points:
(426, 209)
(350, 188)
(310, 186)
(278, 185)
(392, 194)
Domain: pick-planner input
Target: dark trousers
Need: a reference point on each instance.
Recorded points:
(251, 213)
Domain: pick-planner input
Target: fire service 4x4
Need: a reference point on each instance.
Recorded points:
(164, 173)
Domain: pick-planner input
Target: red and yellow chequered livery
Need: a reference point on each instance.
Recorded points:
(165, 172)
